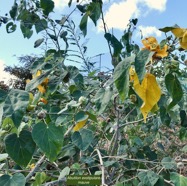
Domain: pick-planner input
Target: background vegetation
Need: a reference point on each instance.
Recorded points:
(127, 125)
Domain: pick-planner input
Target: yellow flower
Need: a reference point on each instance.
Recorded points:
(43, 100)
(181, 33)
(31, 166)
(42, 86)
(151, 44)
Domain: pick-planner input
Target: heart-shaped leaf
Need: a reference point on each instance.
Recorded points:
(16, 180)
(20, 148)
(49, 139)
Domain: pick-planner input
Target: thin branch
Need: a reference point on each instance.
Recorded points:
(104, 25)
(38, 164)
(102, 168)
(134, 122)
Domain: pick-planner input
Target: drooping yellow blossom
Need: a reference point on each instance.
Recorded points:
(181, 33)
(42, 86)
(151, 44)
(149, 91)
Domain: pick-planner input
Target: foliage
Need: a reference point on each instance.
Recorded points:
(128, 126)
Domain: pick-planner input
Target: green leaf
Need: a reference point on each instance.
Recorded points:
(39, 178)
(135, 21)
(16, 180)
(47, 6)
(142, 58)
(64, 173)
(174, 88)
(15, 105)
(163, 43)
(69, 3)
(183, 134)
(121, 77)
(40, 25)
(113, 41)
(95, 11)
(82, 139)
(148, 178)
(164, 116)
(13, 11)
(178, 179)
(20, 148)
(102, 98)
(38, 42)
(83, 24)
(49, 139)
(167, 29)
(10, 27)
(168, 163)
(27, 32)
(81, 116)
(183, 118)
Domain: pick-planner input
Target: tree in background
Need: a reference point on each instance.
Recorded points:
(22, 72)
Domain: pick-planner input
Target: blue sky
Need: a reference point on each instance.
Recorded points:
(152, 14)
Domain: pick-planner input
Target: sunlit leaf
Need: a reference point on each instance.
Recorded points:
(81, 119)
(149, 91)
(177, 179)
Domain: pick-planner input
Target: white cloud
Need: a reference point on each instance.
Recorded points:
(150, 31)
(159, 5)
(4, 76)
(60, 4)
(119, 14)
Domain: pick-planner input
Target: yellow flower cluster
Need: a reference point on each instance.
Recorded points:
(151, 44)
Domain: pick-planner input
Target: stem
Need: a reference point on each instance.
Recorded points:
(104, 24)
(38, 164)
(102, 168)
(134, 122)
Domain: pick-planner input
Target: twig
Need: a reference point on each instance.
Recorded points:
(102, 168)
(104, 24)
(134, 122)
(40, 161)
(116, 135)
(169, 182)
